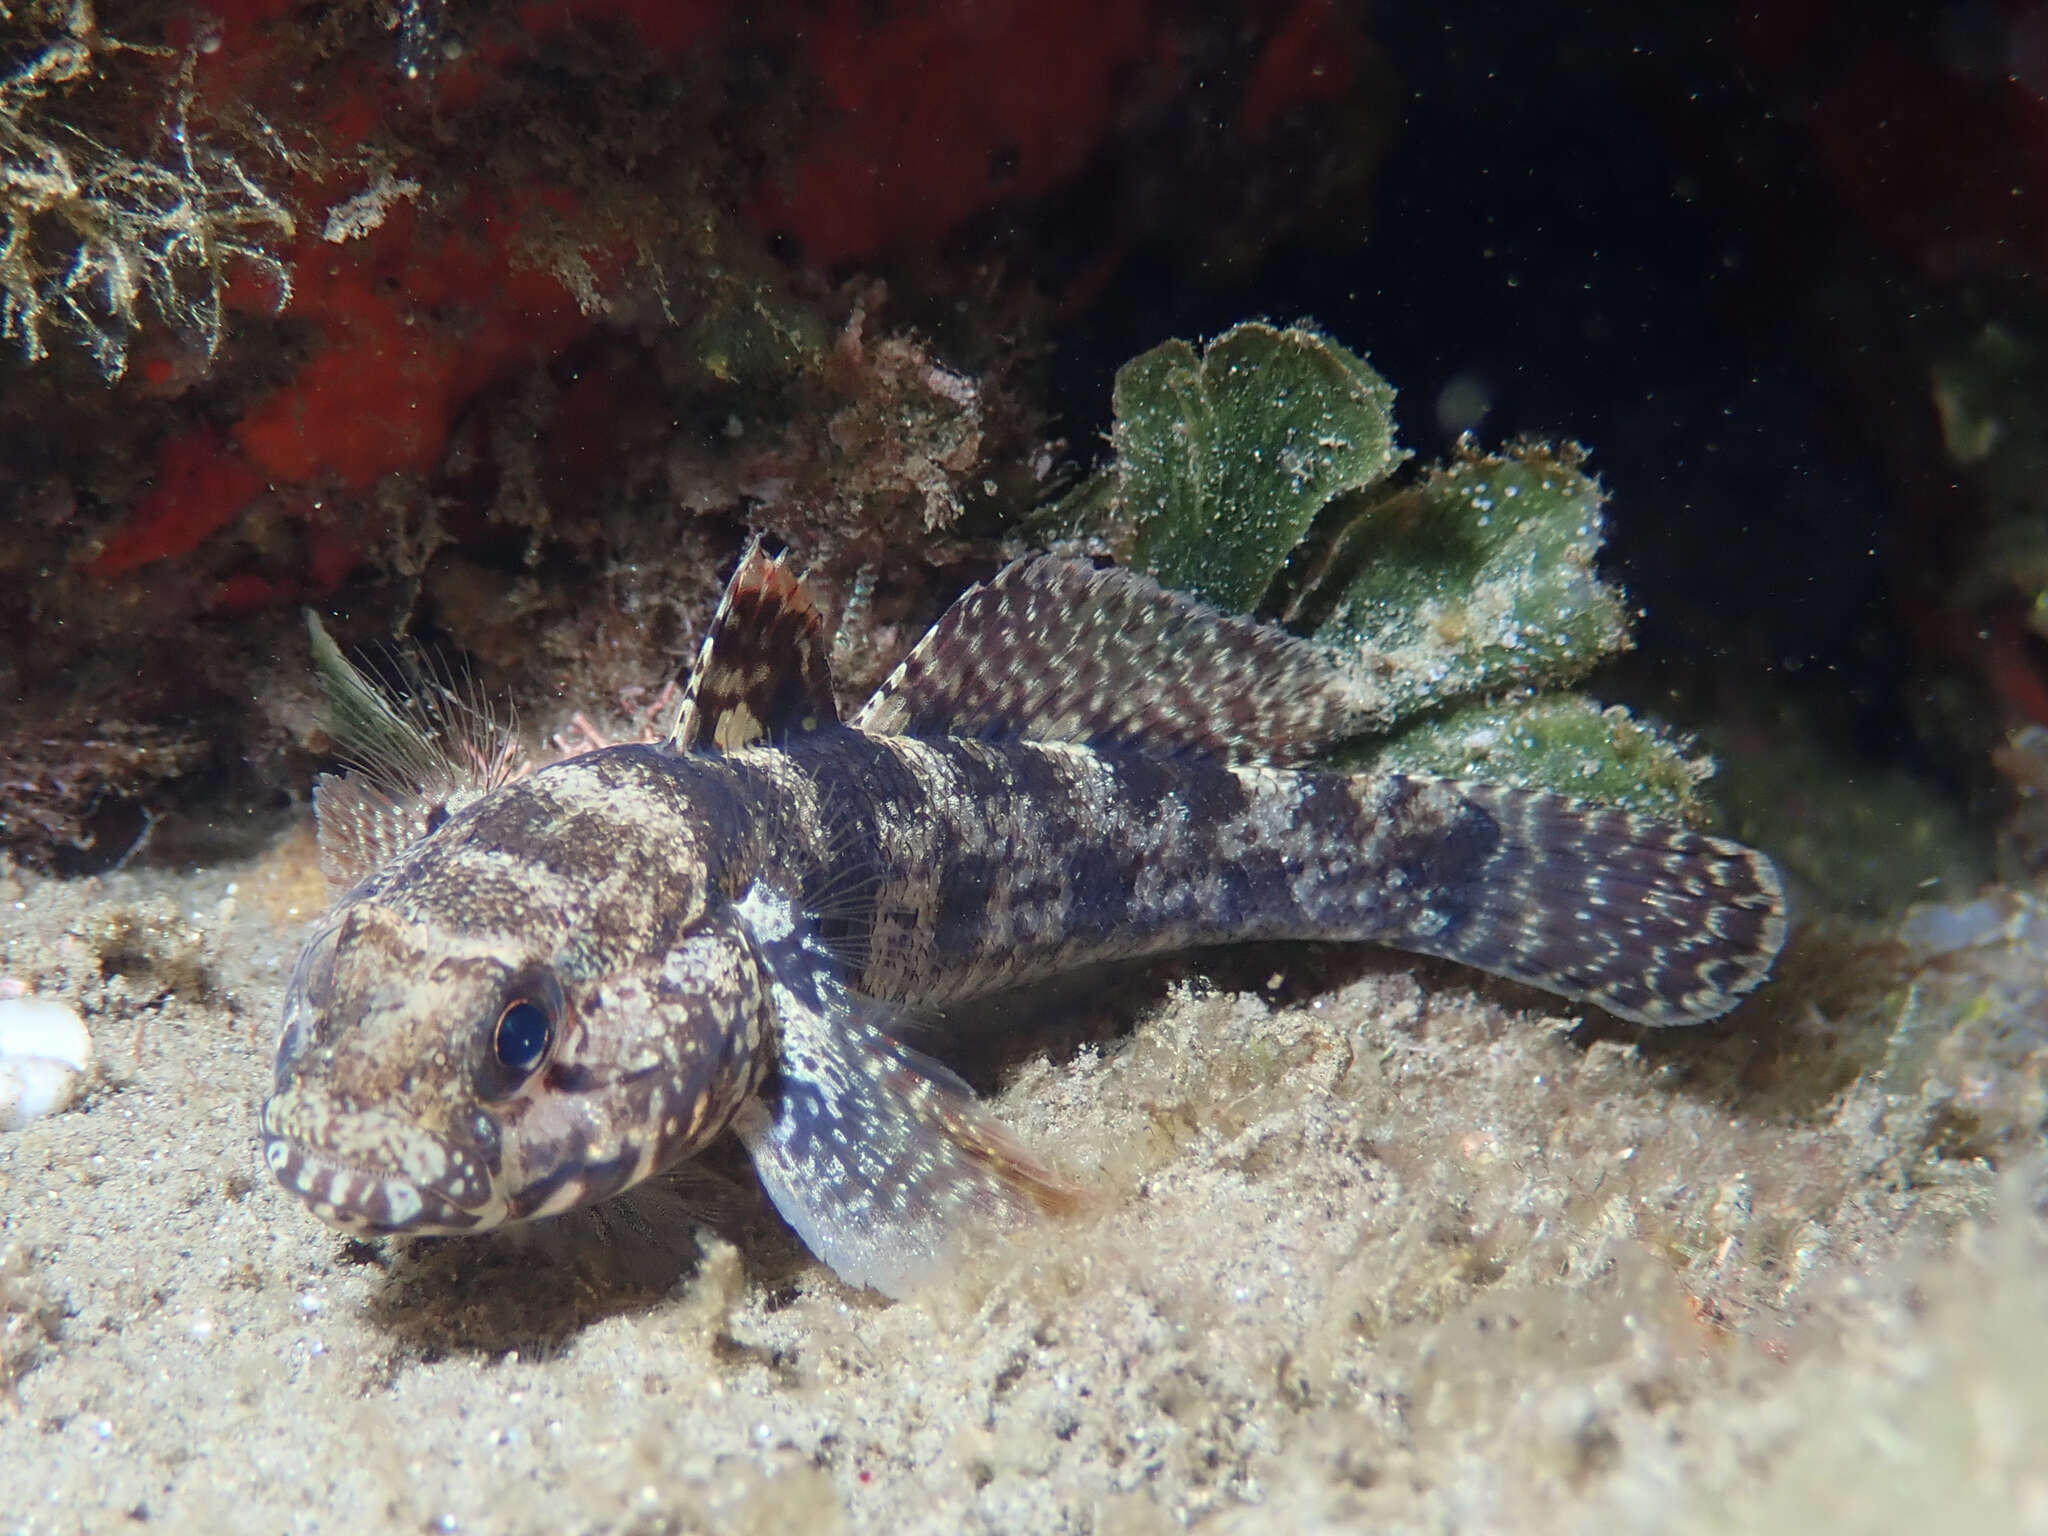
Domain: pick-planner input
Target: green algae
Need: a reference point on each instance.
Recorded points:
(1226, 456)
(1562, 742)
(1476, 578)
(1261, 473)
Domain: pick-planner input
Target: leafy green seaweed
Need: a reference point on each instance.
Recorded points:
(1478, 577)
(1561, 742)
(1227, 455)
(1260, 473)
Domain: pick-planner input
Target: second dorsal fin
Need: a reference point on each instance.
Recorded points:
(762, 670)
(1056, 650)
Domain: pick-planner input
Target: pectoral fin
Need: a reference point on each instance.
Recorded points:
(880, 1158)
(360, 828)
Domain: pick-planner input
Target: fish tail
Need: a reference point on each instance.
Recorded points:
(1645, 918)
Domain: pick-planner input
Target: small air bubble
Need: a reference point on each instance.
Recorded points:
(1462, 403)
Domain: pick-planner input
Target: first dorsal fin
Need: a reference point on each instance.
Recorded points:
(762, 670)
(1056, 650)
(416, 754)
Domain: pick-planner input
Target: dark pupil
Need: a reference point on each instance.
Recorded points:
(522, 1037)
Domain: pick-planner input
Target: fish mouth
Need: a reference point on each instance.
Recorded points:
(365, 1203)
(381, 1195)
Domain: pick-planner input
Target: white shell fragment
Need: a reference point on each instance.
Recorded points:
(44, 1051)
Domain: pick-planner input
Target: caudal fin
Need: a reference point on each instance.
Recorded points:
(1643, 918)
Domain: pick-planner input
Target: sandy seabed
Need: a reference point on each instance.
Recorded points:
(1375, 1251)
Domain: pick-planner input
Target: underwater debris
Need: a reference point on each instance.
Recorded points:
(1966, 1075)
(912, 427)
(52, 782)
(419, 25)
(44, 1051)
(2022, 761)
(1989, 392)
(93, 240)
(31, 1319)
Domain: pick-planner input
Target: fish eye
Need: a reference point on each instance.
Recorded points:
(524, 1032)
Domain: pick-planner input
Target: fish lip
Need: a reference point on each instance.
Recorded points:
(368, 1203)
(373, 1195)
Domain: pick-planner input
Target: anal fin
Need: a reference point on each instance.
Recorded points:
(1056, 650)
(762, 671)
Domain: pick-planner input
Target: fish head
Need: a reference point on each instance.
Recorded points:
(544, 1002)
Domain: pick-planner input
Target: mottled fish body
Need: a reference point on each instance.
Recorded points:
(536, 993)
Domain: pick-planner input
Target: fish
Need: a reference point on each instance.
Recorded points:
(538, 987)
